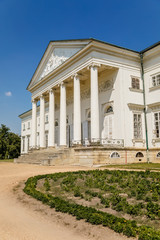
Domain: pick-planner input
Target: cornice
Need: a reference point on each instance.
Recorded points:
(134, 106)
(151, 53)
(154, 105)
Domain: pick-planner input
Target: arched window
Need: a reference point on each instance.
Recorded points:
(109, 109)
(115, 155)
(158, 155)
(139, 154)
(56, 123)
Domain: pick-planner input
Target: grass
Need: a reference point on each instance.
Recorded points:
(143, 166)
(6, 160)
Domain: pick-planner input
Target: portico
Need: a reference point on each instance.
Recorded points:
(60, 90)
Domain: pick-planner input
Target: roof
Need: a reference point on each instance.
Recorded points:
(150, 47)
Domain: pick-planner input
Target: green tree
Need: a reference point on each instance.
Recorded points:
(9, 143)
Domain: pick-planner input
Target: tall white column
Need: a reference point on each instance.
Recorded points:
(94, 103)
(34, 124)
(42, 122)
(62, 114)
(77, 111)
(51, 118)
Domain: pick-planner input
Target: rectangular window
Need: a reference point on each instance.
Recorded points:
(157, 124)
(23, 127)
(46, 119)
(156, 80)
(135, 83)
(28, 125)
(137, 123)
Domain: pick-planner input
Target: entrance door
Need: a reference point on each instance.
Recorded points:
(107, 131)
(57, 135)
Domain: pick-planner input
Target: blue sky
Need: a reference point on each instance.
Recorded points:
(27, 26)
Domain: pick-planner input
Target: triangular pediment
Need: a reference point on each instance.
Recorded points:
(55, 55)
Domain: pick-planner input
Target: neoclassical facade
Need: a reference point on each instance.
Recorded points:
(89, 93)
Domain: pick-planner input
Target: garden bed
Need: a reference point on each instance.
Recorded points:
(126, 201)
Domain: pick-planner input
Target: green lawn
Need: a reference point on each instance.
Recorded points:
(144, 166)
(6, 160)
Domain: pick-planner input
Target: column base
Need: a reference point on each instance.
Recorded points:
(42, 147)
(62, 146)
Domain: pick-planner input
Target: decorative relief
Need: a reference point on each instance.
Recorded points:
(58, 56)
(105, 85)
(57, 106)
(85, 94)
(70, 100)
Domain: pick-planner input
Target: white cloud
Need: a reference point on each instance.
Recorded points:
(8, 94)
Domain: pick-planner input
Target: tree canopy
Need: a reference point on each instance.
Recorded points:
(9, 143)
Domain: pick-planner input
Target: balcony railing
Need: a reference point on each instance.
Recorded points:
(96, 142)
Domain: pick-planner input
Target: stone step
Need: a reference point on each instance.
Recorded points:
(47, 156)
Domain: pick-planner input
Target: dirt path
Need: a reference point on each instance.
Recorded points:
(24, 218)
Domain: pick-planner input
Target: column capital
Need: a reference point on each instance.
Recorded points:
(33, 100)
(62, 84)
(93, 65)
(51, 90)
(75, 75)
(41, 96)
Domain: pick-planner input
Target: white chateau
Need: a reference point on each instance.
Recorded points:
(100, 101)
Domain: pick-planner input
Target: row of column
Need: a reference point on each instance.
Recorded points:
(76, 110)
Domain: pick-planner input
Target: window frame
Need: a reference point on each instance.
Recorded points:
(157, 123)
(115, 156)
(155, 80)
(139, 132)
(136, 85)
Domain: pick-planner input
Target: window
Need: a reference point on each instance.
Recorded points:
(89, 115)
(137, 125)
(115, 155)
(23, 127)
(56, 123)
(109, 109)
(139, 154)
(157, 124)
(67, 121)
(28, 125)
(135, 83)
(158, 155)
(156, 80)
(46, 119)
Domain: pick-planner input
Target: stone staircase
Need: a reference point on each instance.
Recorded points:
(48, 157)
